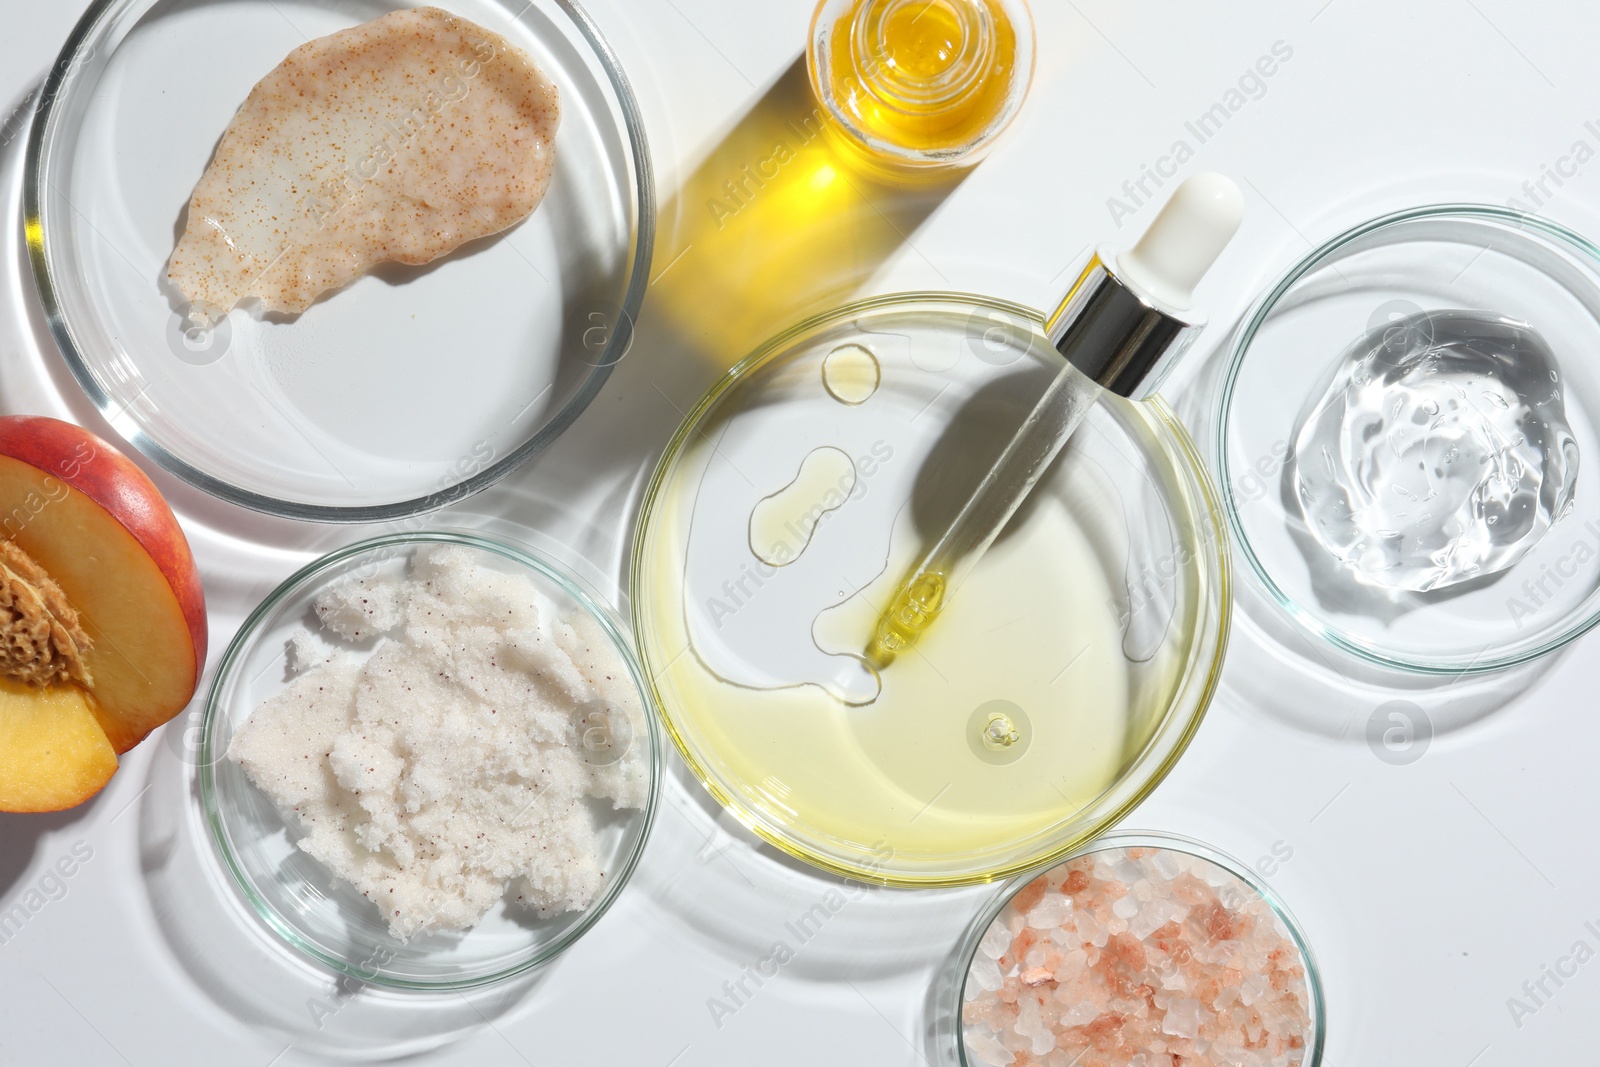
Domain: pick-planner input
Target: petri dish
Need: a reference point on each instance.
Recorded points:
(984, 962)
(1057, 688)
(1421, 265)
(409, 388)
(326, 919)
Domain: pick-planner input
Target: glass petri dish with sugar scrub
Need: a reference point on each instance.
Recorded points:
(1058, 688)
(1132, 949)
(406, 389)
(1406, 442)
(472, 777)
(920, 85)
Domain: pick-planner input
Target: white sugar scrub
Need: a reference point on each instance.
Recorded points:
(1136, 956)
(465, 758)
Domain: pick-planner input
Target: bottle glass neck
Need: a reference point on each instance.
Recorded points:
(922, 57)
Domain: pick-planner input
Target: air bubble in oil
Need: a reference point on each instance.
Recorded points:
(999, 732)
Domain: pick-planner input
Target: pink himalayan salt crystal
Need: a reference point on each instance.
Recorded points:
(1219, 983)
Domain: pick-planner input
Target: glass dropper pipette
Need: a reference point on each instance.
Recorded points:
(1119, 329)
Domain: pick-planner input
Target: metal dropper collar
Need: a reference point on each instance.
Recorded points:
(1127, 318)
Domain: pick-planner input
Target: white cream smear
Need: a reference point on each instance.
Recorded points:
(396, 140)
(461, 757)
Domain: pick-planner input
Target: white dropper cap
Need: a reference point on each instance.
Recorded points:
(1191, 231)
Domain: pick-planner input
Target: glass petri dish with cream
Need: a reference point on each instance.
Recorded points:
(407, 389)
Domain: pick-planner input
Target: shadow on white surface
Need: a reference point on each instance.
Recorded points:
(941, 1013)
(742, 897)
(1277, 670)
(20, 835)
(228, 954)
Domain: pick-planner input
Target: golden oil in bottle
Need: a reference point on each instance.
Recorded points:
(921, 83)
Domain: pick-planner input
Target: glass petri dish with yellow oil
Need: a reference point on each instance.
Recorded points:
(1067, 672)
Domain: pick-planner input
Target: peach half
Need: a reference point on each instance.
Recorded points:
(103, 613)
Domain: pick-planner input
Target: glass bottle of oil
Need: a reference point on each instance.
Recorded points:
(920, 84)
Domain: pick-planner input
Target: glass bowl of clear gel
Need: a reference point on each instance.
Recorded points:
(1062, 680)
(409, 388)
(1406, 439)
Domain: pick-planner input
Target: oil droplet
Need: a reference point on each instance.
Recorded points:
(781, 525)
(999, 732)
(851, 374)
(852, 681)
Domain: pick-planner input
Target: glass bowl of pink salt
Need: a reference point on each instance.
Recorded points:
(1143, 949)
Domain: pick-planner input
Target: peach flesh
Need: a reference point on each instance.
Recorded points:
(100, 529)
(53, 753)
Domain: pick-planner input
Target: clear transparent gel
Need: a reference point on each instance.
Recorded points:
(1439, 451)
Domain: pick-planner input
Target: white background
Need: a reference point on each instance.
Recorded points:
(1431, 892)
